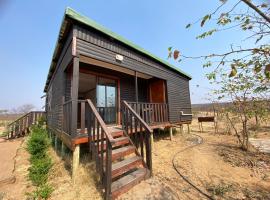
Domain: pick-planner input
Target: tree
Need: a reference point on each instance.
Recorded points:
(247, 96)
(25, 108)
(236, 14)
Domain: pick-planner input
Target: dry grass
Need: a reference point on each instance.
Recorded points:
(218, 167)
(86, 185)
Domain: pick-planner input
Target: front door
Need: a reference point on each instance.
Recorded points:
(106, 99)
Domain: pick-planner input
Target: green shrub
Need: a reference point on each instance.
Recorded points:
(38, 172)
(43, 192)
(41, 163)
(38, 143)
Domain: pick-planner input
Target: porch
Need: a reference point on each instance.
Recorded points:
(114, 110)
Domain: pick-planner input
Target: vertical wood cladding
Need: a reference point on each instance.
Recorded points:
(99, 46)
(56, 89)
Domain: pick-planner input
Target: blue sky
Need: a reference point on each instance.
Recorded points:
(29, 30)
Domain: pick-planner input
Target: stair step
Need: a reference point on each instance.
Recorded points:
(118, 142)
(121, 141)
(117, 133)
(124, 166)
(121, 152)
(125, 183)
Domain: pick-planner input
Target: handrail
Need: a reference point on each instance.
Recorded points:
(138, 117)
(24, 116)
(101, 122)
(100, 144)
(141, 133)
(21, 126)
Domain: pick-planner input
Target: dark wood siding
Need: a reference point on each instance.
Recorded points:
(56, 88)
(98, 46)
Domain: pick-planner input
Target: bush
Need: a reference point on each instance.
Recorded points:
(38, 143)
(43, 192)
(41, 163)
(38, 172)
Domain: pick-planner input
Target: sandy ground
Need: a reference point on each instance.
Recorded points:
(216, 167)
(14, 163)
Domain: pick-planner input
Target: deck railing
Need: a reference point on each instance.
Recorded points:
(100, 144)
(151, 113)
(21, 126)
(139, 131)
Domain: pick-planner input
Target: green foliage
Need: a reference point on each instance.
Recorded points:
(229, 15)
(41, 163)
(38, 172)
(38, 143)
(43, 192)
(205, 18)
(205, 34)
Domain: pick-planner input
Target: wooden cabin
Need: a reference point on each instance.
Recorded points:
(106, 91)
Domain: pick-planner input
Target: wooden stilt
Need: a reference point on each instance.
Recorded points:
(171, 135)
(55, 143)
(202, 126)
(188, 128)
(75, 162)
(62, 150)
(182, 128)
(152, 140)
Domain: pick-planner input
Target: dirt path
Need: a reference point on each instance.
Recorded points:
(13, 170)
(8, 150)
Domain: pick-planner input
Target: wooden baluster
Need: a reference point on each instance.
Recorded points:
(141, 132)
(102, 154)
(94, 137)
(162, 113)
(148, 152)
(141, 140)
(97, 147)
(83, 117)
(108, 173)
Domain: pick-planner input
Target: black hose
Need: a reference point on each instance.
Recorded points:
(185, 178)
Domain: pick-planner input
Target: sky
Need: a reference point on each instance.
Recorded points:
(29, 30)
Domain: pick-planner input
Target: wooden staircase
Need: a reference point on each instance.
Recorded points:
(122, 154)
(21, 126)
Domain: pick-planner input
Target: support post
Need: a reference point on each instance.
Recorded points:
(75, 162)
(62, 150)
(55, 143)
(152, 140)
(171, 135)
(74, 95)
(181, 128)
(188, 128)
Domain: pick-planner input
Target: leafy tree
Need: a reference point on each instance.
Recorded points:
(243, 72)
(245, 15)
(248, 98)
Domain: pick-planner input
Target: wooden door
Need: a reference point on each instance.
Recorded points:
(157, 91)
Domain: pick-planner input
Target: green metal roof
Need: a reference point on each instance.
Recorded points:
(69, 12)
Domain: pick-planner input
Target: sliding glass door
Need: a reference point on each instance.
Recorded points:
(106, 99)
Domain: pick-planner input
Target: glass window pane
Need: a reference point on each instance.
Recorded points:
(101, 96)
(110, 96)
